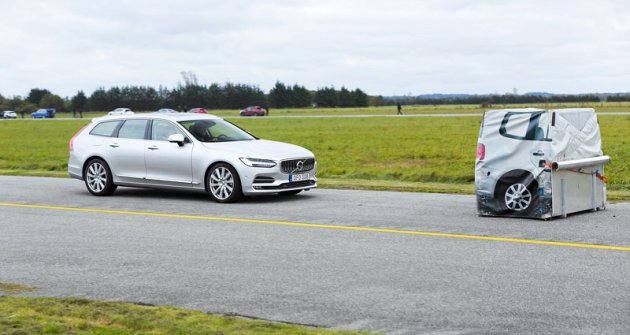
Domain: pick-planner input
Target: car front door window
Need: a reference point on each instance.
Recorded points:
(161, 130)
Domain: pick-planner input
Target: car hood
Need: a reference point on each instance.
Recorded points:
(260, 149)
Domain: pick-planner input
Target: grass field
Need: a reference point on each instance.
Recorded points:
(410, 152)
(21, 315)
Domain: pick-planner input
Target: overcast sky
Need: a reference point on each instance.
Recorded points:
(394, 47)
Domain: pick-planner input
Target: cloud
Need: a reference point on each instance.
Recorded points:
(383, 48)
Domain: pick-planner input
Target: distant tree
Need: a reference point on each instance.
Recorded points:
(52, 101)
(3, 103)
(36, 95)
(14, 103)
(115, 99)
(345, 100)
(301, 96)
(163, 96)
(230, 95)
(26, 107)
(376, 101)
(79, 101)
(359, 99)
(279, 96)
(215, 96)
(98, 100)
(252, 96)
(618, 97)
(326, 97)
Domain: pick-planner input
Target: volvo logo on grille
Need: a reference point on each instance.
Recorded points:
(299, 166)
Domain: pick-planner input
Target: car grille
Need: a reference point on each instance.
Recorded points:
(291, 165)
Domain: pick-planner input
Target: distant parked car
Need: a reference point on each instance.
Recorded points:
(166, 110)
(120, 111)
(9, 115)
(253, 111)
(198, 111)
(43, 113)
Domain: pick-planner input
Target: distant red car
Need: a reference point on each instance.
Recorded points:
(253, 111)
(198, 110)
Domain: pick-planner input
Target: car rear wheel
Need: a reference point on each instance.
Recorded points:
(223, 183)
(98, 178)
(517, 192)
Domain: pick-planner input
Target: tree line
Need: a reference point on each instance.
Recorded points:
(186, 96)
(190, 94)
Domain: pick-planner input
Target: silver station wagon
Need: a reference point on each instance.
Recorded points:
(197, 152)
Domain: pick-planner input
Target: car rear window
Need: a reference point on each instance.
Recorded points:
(105, 128)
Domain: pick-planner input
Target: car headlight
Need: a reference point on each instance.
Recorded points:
(258, 162)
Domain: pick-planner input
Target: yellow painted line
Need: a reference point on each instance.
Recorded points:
(326, 226)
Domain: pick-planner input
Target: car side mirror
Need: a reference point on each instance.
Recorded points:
(177, 138)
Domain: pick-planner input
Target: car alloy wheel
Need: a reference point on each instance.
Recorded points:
(516, 192)
(224, 184)
(517, 197)
(98, 178)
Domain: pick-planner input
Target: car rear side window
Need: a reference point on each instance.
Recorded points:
(105, 128)
(133, 129)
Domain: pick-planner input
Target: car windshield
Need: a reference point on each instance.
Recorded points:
(216, 130)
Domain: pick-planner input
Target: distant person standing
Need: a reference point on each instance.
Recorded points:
(399, 109)
(267, 109)
(22, 112)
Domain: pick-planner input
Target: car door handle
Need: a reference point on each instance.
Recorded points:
(153, 148)
(538, 153)
(115, 145)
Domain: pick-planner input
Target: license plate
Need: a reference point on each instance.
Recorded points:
(298, 177)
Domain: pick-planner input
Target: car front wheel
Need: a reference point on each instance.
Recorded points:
(98, 178)
(224, 184)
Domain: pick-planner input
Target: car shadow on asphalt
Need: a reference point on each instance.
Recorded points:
(142, 193)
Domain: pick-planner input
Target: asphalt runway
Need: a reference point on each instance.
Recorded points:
(396, 262)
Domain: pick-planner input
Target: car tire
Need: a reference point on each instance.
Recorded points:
(517, 192)
(223, 183)
(98, 178)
